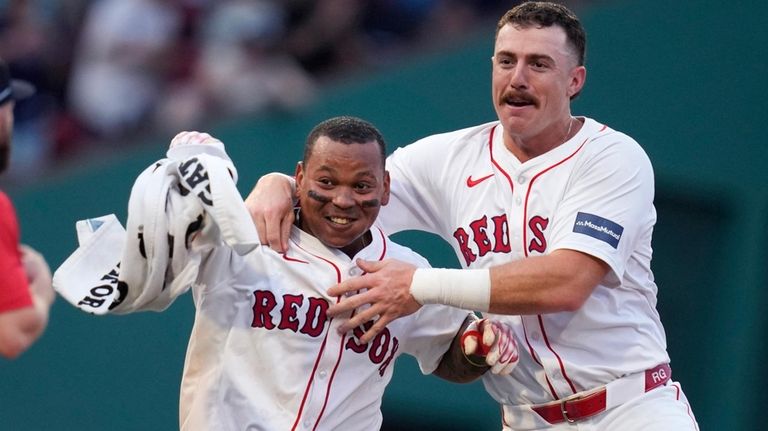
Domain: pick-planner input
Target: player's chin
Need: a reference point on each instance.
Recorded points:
(341, 235)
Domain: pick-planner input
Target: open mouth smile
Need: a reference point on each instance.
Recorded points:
(340, 220)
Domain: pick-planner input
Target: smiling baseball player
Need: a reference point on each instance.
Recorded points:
(263, 354)
(551, 217)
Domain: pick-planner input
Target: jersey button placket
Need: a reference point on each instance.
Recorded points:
(518, 199)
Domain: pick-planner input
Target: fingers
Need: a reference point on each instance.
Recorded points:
(358, 319)
(377, 327)
(503, 355)
(489, 336)
(270, 204)
(369, 265)
(361, 318)
(38, 273)
(277, 227)
(285, 230)
(357, 283)
(348, 303)
(261, 228)
(192, 138)
(35, 265)
(383, 291)
(469, 342)
(347, 286)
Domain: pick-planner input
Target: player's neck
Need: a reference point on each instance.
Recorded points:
(362, 242)
(528, 148)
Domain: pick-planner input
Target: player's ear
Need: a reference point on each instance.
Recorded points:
(385, 195)
(299, 175)
(577, 78)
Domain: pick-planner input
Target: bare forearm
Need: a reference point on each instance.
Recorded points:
(561, 281)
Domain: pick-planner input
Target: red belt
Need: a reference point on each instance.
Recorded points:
(583, 406)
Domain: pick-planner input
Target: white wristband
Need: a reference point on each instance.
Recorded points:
(469, 289)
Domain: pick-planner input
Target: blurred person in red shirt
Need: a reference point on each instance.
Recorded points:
(26, 294)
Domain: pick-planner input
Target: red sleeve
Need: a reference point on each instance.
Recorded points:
(14, 289)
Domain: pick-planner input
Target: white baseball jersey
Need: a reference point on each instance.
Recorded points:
(594, 194)
(263, 355)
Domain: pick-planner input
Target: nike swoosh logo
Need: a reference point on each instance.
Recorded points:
(473, 182)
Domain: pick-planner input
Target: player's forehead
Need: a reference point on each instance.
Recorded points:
(531, 41)
(329, 154)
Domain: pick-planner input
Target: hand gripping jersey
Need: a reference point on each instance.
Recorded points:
(594, 194)
(263, 355)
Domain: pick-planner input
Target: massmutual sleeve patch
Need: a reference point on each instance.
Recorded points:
(598, 228)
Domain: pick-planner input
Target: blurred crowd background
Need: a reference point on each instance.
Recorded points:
(111, 71)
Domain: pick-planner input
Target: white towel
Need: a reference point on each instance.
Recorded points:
(152, 261)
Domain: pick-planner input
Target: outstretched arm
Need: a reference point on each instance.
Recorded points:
(560, 281)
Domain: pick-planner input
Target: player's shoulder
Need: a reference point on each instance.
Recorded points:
(462, 136)
(606, 140)
(455, 139)
(604, 135)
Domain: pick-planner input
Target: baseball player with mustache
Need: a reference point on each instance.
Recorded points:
(551, 217)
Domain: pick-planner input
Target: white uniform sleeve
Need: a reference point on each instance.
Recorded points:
(415, 201)
(608, 206)
(432, 331)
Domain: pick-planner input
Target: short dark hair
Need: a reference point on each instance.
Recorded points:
(546, 14)
(347, 130)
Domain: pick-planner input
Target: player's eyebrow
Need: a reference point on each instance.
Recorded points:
(539, 57)
(529, 57)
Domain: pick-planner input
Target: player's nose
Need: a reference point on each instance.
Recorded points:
(518, 77)
(343, 198)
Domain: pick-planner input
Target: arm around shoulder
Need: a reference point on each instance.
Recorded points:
(270, 204)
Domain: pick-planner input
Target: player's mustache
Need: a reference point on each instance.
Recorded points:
(519, 97)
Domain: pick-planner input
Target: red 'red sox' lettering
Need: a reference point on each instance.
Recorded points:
(379, 346)
(309, 317)
(479, 240)
(537, 224)
(498, 242)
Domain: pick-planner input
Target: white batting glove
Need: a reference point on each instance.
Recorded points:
(193, 138)
(493, 341)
